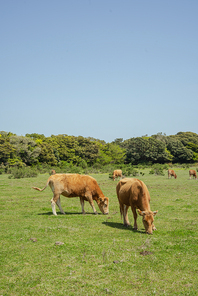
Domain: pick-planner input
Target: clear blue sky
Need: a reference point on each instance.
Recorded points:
(99, 68)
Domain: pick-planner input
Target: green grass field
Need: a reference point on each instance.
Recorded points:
(99, 256)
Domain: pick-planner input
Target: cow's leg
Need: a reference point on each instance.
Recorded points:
(59, 205)
(125, 215)
(90, 200)
(53, 203)
(121, 209)
(82, 205)
(135, 217)
(154, 228)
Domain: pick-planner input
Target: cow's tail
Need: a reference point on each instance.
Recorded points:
(36, 188)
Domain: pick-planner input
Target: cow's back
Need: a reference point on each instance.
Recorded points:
(133, 191)
(192, 172)
(73, 184)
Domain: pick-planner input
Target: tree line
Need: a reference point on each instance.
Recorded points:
(56, 150)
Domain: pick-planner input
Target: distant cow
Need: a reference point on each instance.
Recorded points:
(53, 172)
(116, 174)
(171, 174)
(133, 193)
(193, 173)
(73, 185)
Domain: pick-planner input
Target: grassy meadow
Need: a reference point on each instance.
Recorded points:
(75, 254)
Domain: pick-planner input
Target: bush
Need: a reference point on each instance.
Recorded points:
(152, 171)
(42, 168)
(157, 169)
(17, 173)
(129, 170)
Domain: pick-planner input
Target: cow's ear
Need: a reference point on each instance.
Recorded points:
(155, 212)
(140, 212)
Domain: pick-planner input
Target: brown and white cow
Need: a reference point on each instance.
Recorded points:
(193, 173)
(133, 193)
(116, 174)
(171, 174)
(53, 172)
(73, 185)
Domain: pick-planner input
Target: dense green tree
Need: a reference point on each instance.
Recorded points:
(118, 141)
(35, 136)
(87, 150)
(179, 151)
(146, 149)
(47, 154)
(186, 137)
(159, 148)
(110, 153)
(7, 150)
(25, 149)
(192, 146)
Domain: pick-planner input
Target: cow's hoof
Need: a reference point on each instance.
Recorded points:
(95, 213)
(126, 225)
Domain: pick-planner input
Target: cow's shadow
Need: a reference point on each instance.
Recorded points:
(67, 213)
(122, 227)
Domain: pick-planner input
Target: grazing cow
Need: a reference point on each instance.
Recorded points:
(53, 172)
(116, 174)
(133, 193)
(73, 185)
(172, 174)
(193, 173)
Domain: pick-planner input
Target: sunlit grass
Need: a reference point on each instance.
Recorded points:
(99, 255)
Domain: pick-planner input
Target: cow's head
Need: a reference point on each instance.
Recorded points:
(147, 219)
(175, 176)
(103, 204)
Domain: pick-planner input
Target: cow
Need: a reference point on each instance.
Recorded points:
(172, 174)
(193, 173)
(133, 193)
(53, 172)
(75, 185)
(116, 174)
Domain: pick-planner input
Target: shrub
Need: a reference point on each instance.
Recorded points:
(152, 171)
(2, 169)
(129, 170)
(157, 169)
(110, 176)
(42, 168)
(17, 173)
